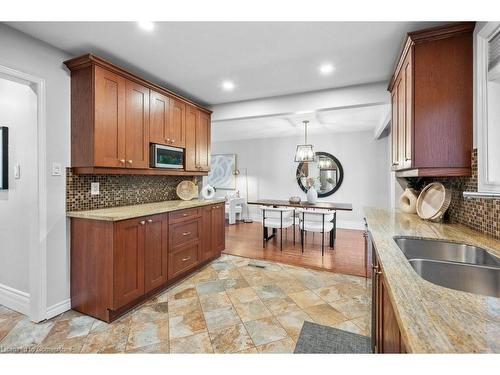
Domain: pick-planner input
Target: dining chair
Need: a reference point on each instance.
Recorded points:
(277, 218)
(319, 221)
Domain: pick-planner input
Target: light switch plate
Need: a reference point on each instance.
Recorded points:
(56, 169)
(94, 188)
(17, 171)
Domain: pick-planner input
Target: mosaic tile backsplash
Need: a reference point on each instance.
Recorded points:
(118, 190)
(480, 214)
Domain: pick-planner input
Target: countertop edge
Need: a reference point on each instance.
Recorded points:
(100, 214)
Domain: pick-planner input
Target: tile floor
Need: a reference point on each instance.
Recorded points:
(228, 306)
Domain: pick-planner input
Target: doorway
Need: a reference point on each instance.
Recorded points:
(22, 205)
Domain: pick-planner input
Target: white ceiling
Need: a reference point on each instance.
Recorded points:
(262, 58)
(321, 122)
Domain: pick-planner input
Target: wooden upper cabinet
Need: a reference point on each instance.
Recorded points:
(136, 126)
(394, 130)
(159, 118)
(190, 154)
(401, 121)
(408, 123)
(203, 141)
(109, 128)
(115, 115)
(177, 123)
(431, 91)
(198, 129)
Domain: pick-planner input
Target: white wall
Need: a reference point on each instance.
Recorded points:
(29, 55)
(18, 111)
(271, 170)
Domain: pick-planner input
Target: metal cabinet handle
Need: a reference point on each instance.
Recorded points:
(173, 140)
(150, 220)
(376, 269)
(184, 215)
(142, 222)
(186, 233)
(122, 161)
(168, 140)
(185, 259)
(130, 161)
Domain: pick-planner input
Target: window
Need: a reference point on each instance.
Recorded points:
(488, 107)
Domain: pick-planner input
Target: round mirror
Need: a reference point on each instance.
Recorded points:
(325, 173)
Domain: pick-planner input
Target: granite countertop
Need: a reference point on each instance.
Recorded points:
(138, 210)
(431, 318)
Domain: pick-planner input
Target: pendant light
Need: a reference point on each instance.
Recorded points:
(305, 152)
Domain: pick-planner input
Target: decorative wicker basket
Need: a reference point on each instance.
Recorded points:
(433, 201)
(187, 190)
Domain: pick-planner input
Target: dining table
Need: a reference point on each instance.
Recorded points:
(333, 206)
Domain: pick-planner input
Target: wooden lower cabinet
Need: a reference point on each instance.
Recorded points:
(386, 333)
(213, 231)
(183, 258)
(117, 265)
(156, 252)
(128, 261)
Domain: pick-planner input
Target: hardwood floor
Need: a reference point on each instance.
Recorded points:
(348, 256)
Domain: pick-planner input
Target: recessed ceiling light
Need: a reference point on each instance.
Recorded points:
(146, 25)
(228, 85)
(326, 69)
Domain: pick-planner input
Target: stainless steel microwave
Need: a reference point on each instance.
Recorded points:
(167, 156)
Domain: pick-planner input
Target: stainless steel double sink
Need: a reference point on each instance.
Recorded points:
(453, 265)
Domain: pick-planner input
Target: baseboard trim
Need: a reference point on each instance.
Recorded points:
(58, 308)
(15, 299)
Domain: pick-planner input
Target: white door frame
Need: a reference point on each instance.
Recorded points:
(485, 185)
(37, 252)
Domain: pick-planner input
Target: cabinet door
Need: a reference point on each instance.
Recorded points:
(155, 252)
(401, 120)
(159, 118)
(394, 129)
(137, 125)
(191, 121)
(128, 262)
(390, 329)
(207, 249)
(408, 123)
(218, 229)
(387, 334)
(203, 142)
(109, 120)
(177, 123)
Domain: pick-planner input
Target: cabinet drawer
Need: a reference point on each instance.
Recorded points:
(183, 259)
(183, 215)
(184, 232)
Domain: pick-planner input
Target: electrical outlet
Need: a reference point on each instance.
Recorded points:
(94, 188)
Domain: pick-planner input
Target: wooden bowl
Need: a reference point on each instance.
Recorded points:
(187, 190)
(433, 201)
